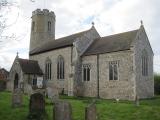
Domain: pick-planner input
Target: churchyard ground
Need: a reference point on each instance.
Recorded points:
(148, 109)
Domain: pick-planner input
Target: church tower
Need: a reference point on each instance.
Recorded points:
(42, 28)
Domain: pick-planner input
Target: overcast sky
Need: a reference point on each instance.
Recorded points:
(109, 16)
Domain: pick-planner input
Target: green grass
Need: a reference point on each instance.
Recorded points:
(106, 109)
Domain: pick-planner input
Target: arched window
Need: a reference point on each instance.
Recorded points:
(144, 63)
(49, 25)
(60, 67)
(48, 69)
(86, 72)
(16, 81)
(113, 70)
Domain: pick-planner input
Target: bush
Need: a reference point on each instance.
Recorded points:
(2, 85)
(157, 84)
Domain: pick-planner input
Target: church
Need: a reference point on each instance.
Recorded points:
(85, 64)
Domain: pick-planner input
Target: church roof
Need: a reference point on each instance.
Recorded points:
(58, 43)
(29, 66)
(112, 43)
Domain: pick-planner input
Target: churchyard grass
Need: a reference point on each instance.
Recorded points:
(107, 109)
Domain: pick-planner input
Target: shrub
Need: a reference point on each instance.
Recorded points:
(157, 84)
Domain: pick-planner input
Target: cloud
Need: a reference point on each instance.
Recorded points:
(109, 16)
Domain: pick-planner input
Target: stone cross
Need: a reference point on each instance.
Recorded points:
(62, 111)
(90, 112)
(17, 98)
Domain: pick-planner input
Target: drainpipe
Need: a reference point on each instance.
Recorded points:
(98, 76)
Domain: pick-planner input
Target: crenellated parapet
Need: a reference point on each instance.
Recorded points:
(43, 12)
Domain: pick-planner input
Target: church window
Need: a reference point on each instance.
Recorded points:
(86, 72)
(49, 25)
(33, 26)
(144, 63)
(34, 81)
(48, 69)
(60, 67)
(113, 70)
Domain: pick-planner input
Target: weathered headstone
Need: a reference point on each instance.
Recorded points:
(41, 91)
(36, 106)
(90, 112)
(137, 100)
(53, 94)
(17, 98)
(30, 91)
(62, 111)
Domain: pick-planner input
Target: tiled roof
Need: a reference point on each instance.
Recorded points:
(58, 43)
(112, 43)
(29, 66)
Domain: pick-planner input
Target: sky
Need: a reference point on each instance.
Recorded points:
(109, 16)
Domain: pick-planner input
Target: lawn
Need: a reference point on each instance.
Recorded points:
(106, 109)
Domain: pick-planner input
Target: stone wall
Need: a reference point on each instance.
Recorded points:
(123, 88)
(15, 69)
(80, 46)
(90, 87)
(53, 55)
(144, 84)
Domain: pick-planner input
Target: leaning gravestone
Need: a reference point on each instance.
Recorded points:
(62, 111)
(36, 107)
(90, 112)
(17, 98)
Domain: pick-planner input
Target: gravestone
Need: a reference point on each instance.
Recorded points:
(41, 91)
(62, 111)
(30, 91)
(53, 94)
(36, 106)
(17, 98)
(90, 112)
(137, 101)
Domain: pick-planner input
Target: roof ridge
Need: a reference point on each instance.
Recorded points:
(75, 34)
(111, 43)
(120, 33)
(27, 59)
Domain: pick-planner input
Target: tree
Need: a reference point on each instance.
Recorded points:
(5, 8)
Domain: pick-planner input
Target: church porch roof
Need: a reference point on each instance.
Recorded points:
(30, 66)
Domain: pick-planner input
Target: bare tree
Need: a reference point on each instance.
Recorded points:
(5, 8)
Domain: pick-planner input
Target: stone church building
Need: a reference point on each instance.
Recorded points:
(84, 63)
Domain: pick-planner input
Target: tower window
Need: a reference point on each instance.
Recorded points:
(33, 26)
(86, 72)
(60, 67)
(113, 70)
(48, 69)
(49, 25)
